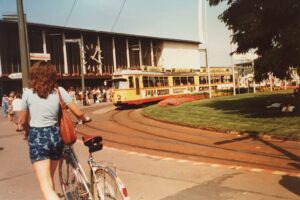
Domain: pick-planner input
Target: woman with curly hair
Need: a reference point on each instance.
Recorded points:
(41, 103)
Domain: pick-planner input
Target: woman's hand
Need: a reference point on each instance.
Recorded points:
(78, 113)
(86, 119)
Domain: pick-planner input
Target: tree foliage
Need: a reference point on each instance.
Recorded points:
(269, 27)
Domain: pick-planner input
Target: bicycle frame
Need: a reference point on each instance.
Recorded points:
(91, 188)
(71, 156)
(94, 166)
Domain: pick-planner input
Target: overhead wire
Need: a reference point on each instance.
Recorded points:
(70, 13)
(118, 16)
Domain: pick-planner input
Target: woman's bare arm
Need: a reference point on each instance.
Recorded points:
(77, 112)
(23, 118)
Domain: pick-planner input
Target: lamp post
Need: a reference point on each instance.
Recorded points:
(206, 47)
(23, 41)
(233, 74)
(208, 72)
(254, 83)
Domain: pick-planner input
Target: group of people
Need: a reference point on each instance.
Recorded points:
(38, 113)
(95, 95)
(11, 105)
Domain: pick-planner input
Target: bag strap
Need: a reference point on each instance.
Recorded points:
(61, 102)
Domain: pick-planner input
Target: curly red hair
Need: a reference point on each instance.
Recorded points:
(43, 78)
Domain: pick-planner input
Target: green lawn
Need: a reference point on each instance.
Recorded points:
(242, 113)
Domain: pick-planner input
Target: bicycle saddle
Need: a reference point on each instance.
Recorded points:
(93, 143)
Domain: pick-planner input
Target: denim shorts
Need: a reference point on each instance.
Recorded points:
(45, 143)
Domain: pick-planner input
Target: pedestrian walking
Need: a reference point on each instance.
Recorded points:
(16, 109)
(41, 102)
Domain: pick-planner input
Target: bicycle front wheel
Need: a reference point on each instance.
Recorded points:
(109, 186)
(72, 182)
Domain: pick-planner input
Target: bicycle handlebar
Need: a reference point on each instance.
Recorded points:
(79, 121)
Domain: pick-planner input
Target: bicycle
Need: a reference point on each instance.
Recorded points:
(104, 184)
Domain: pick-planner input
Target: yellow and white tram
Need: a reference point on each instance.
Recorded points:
(133, 87)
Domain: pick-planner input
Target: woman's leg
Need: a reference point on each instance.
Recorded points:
(53, 166)
(43, 173)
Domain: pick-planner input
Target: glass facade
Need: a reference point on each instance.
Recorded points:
(103, 53)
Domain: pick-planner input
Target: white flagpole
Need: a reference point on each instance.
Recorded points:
(206, 51)
(233, 74)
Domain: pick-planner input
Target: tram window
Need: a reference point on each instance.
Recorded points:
(130, 78)
(213, 79)
(227, 79)
(157, 81)
(165, 81)
(161, 80)
(222, 79)
(151, 81)
(203, 80)
(176, 81)
(145, 81)
(183, 81)
(120, 84)
(190, 80)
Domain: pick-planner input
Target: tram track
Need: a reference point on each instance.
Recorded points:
(190, 156)
(126, 130)
(220, 136)
(189, 140)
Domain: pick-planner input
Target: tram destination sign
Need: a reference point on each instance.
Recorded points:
(163, 92)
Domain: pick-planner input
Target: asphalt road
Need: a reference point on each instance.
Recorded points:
(148, 177)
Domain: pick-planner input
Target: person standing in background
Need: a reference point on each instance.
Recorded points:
(5, 105)
(10, 100)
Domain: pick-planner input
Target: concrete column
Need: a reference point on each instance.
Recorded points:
(44, 42)
(152, 54)
(66, 71)
(81, 47)
(114, 54)
(127, 54)
(99, 55)
(140, 54)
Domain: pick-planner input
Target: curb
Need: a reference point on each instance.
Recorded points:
(237, 133)
(234, 167)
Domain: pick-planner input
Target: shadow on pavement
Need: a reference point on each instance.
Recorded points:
(255, 136)
(291, 183)
(210, 190)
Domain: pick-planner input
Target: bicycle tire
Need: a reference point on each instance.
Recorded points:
(71, 180)
(109, 186)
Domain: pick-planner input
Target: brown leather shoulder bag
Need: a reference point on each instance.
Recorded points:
(67, 130)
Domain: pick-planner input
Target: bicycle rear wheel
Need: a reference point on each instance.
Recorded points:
(109, 186)
(72, 182)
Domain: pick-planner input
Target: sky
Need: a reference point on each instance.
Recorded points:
(159, 18)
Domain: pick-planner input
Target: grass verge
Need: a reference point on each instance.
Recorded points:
(241, 113)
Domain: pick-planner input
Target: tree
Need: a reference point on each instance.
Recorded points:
(269, 27)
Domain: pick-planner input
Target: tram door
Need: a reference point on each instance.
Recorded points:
(137, 84)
